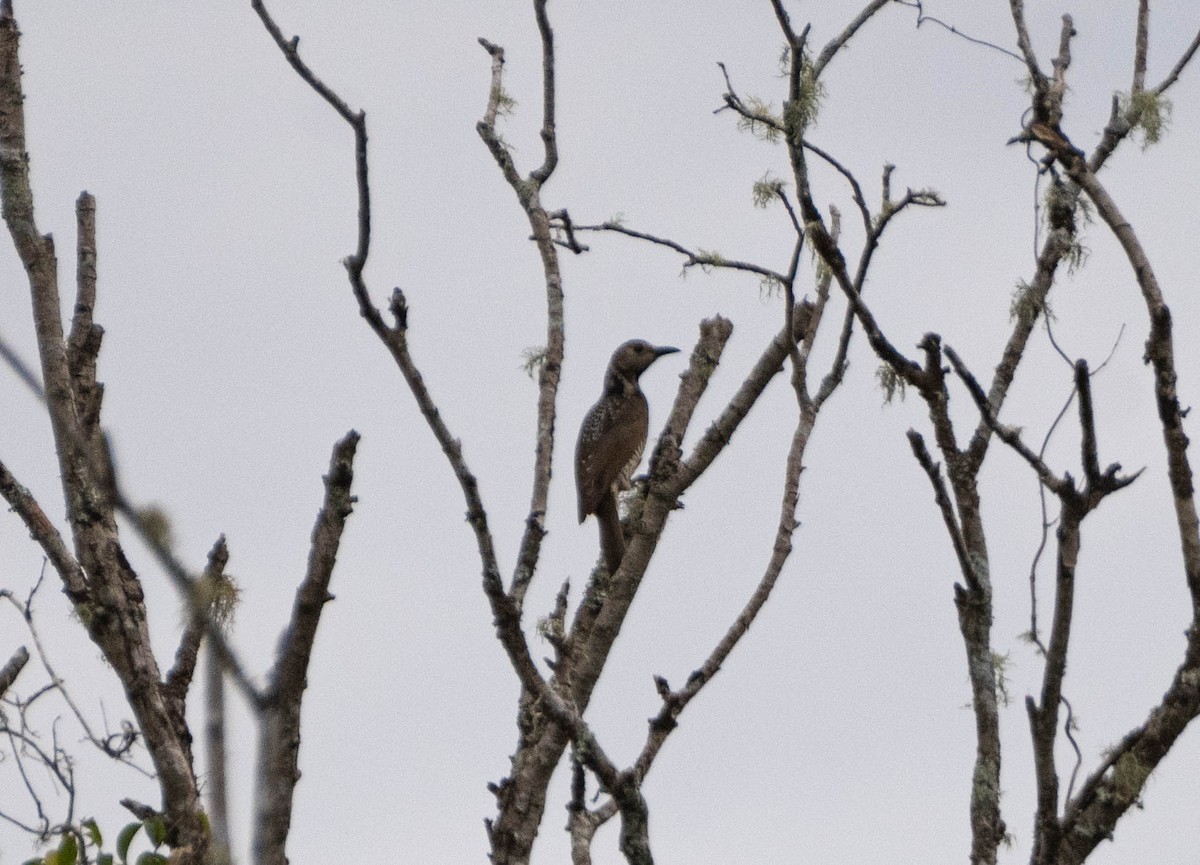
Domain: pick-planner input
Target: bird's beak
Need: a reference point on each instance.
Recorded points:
(665, 349)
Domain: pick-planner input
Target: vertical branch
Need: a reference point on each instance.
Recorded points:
(1160, 353)
(974, 599)
(83, 343)
(528, 192)
(214, 738)
(1141, 47)
(111, 604)
(1043, 716)
(549, 138)
(37, 254)
(357, 121)
(279, 717)
(1017, 10)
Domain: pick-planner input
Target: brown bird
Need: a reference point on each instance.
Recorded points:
(611, 441)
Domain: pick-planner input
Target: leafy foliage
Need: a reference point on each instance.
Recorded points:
(76, 841)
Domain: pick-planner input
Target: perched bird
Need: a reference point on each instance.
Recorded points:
(611, 441)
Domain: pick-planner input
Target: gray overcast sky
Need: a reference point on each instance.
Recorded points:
(234, 356)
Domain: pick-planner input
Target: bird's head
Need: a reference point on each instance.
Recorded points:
(632, 358)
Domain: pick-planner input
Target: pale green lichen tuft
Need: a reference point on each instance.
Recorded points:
(766, 189)
(1000, 669)
(801, 113)
(1027, 304)
(760, 120)
(890, 382)
(505, 104)
(218, 597)
(532, 359)
(1150, 114)
(1129, 776)
(769, 287)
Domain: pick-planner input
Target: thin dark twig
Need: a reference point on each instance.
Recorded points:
(1047, 523)
(1054, 342)
(23, 371)
(1111, 352)
(1178, 68)
(791, 212)
(942, 498)
(922, 18)
(855, 188)
(699, 259)
(119, 751)
(1008, 435)
(1069, 732)
(358, 122)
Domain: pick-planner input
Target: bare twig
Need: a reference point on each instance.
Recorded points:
(934, 472)
(9, 355)
(118, 746)
(698, 258)
(922, 17)
(1009, 435)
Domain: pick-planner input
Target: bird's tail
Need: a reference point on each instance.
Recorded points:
(612, 541)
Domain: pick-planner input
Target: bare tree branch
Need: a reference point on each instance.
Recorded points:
(838, 42)
(700, 258)
(119, 746)
(1011, 436)
(205, 598)
(922, 18)
(12, 668)
(217, 789)
(279, 731)
(1178, 68)
(934, 472)
(42, 530)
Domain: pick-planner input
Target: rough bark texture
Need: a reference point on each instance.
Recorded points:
(279, 717)
(98, 578)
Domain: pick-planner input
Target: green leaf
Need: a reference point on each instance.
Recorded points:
(125, 839)
(156, 831)
(34, 862)
(149, 858)
(104, 859)
(93, 832)
(68, 850)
